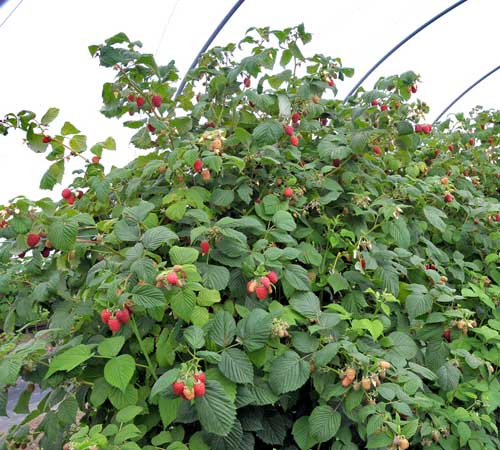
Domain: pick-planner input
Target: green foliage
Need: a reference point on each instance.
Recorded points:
(383, 322)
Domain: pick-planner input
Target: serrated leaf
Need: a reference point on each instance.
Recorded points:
(284, 221)
(49, 116)
(288, 373)
(182, 303)
(148, 296)
(119, 371)
(128, 413)
(434, 217)
(400, 233)
(53, 175)
(78, 143)
(297, 277)
(216, 412)
(111, 346)
(69, 359)
(324, 423)
(69, 128)
(267, 132)
(164, 383)
(236, 366)
(62, 234)
(255, 329)
(214, 277)
(183, 255)
(223, 329)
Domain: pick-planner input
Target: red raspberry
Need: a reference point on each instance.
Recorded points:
(336, 162)
(204, 247)
(95, 159)
(374, 102)
(199, 389)
(156, 100)
(288, 192)
(105, 315)
(71, 199)
(131, 97)
(247, 82)
(114, 324)
(418, 128)
(198, 165)
(265, 281)
(331, 83)
(448, 198)
(151, 128)
(33, 239)
(261, 292)
(414, 88)
(178, 387)
(288, 130)
(451, 147)
(46, 139)
(377, 150)
(273, 277)
(139, 102)
(123, 315)
(200, 376)
(497, 217)
(172, 278)
(295, 117)
(384, 108)
(45, 252)
(66, 193)
(294, 140)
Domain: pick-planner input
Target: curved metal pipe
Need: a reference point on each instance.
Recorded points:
(400, 44)
(207, 44)
(472, 86)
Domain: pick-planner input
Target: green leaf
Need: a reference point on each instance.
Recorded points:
(214, 277)
(359, 141)
(62, 234)
(69, 359)
(434, 217)
(222, 197)
(236, 366)
(119, 371)
(324, 423)
(223, 328)
(374, 327)
(53, 175)
(284, 221)
(400, 233)
(307, 304)
(49, 116)
(215, 410)
(449, 377)
(297, 277)
(417, 304)
(111, 346)
(69, 128)
(288, 373)
(301, 432)
(164, 383)
(208, 297)
(148, 296)
(78, 143)
(183, 255)
(404, 346)
(182, 303)
(155, 237)
(177, 210)
(464, 433)
(169, 408)
(255, 329)
(128, 413)
(194, 337)
(127, 232)
(338, 282)
(267, 132)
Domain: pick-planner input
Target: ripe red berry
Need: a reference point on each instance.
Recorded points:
(95, 159)
(204, 247)
(139, 102)
(46, 139)
(363, 263)
(33, 239)
(114, 324)
(45, 252)
(288, 192)
(200, 376)
(336, 162)
(247, 82)
(414, 88)
(105, 315)
(178, 387)
(66, 193)
(199, 389)
(331, 83)
(79, 194)
(323, 121)
(198, 165)
(288, 130)
(261, 292)
(294, 140)
(156, 100)
(172, 278)
(273, 277)
(418, 128)
(131, 97)
(447, 335)
(71, 199)
(497, 217)
(384, 108)
(451, 147)
(295, 117)
(151, 128)
(427, 128)
(265, 281)
(377, 150)
(123, 315)
(448, 198)
(472, 141)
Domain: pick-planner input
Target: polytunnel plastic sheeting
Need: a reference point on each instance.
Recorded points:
(45, 61)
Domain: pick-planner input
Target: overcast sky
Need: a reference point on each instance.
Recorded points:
(45, 61)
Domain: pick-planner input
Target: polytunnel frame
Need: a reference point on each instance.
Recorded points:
(466, 91)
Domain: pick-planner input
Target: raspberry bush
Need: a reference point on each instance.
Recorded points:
(276, 270)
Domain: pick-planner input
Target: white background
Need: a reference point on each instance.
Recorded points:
(45, 61)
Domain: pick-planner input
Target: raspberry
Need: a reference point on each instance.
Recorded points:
(66, 193)
(199, 389)
(295, 117)
(247, 82)
(131, 97)
(156, 100)
(198, 165)
(114, 325)
(204, 247)
(140, 102)
(105, 315)
(265, 281)
(377, 150)
(151, 128)
(178, 387)
(261, 292)
(172, 278)
(123, 315)
(71, 199)
(33, 239)
(46, 139)
(200, 376)
(294, 140)
(288, 192)
(288, 130)
(273, 278)
(374, 102)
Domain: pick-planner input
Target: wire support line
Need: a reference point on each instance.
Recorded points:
(400, 44)
(165, 28)
(209, 41)
(10, 14)
(472, 86)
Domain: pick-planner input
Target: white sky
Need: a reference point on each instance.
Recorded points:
(45, 61)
